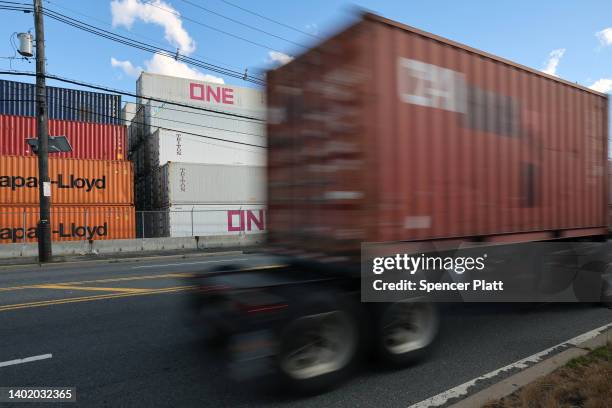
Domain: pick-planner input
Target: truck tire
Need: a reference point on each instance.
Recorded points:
(320, 345)
(405, 331)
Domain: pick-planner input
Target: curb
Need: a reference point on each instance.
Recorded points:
(511, 384)
(62, 263)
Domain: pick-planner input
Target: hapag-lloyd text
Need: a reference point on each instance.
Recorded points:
(61, 181)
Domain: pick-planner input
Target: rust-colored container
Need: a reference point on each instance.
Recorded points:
(68, 223)
(388, 133)
(88, 140)
(73, 181)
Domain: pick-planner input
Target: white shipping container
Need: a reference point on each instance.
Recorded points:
(210, 220)
(171, 146)
(193, 183)
(220, 97)
(127, 113)
(163, 115)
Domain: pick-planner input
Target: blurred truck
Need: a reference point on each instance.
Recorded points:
(385, 133)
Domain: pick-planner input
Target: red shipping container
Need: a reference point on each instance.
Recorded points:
(388, 133)
(88, 140)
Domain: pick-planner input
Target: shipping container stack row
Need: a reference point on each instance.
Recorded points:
(198, 172)
(92, 185)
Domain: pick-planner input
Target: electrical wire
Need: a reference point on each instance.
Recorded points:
(145, 123)
(269, 19)
(158, 127)
(176, 13)
(121, 92)
(76, 23)
(151, 40)
(197, 112)
(146, 47)
(243, 24)
(147, 117)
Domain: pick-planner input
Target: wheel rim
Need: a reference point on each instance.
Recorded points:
(408, 326)
(318, 344)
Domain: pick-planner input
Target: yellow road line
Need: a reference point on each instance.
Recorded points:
(106, 280)
(44, 303)
(92, 288)
(127, 278)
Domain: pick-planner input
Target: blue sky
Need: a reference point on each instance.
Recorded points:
(528, 32)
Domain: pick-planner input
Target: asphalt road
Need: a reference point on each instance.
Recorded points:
(116, 332)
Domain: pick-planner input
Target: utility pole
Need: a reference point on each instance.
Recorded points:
(44, 186)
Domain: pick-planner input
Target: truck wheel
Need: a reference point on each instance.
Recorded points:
(319, 347)
(405, 331)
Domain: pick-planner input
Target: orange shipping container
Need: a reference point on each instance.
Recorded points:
(68, 223)
(73, 181)
(388, 133)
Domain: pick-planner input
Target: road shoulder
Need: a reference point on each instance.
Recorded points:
(515, 382)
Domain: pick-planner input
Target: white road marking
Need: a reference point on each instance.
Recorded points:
(25, 360)
(190, 263)
(461, 390)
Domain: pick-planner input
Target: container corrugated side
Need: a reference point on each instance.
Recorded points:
(193, 183)
(158, 115)
(128, 112)
(220, 97)
(211, 220)
(146, 191)
(88, 140)
(73, 181)
(68, 223)
(408, 136)
(171, 146)
(18, 98)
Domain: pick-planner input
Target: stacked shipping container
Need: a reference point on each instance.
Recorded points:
(19, 99)
(187, 159)
(210, 199)
(91, 186)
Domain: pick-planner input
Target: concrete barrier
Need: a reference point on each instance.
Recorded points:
(224, 241)
(105, 247)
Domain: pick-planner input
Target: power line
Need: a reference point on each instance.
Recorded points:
(145, 117)
(140, 45)
(25, 9)
(244, 24)
(120, 92)
(146, 47)
(197, 112)
(206, 114)
(158, 127)
(270, 19)
(211, 27)
(56, 4)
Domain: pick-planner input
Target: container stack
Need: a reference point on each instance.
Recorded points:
(198, 172)
(91, 186)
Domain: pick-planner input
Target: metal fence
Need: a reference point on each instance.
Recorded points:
(73, 224)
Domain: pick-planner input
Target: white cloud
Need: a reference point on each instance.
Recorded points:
(602, 85)
(279, 58)
(161, 64)
(127, 67)
(553, 61)
(605, 36)
(125, 12)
